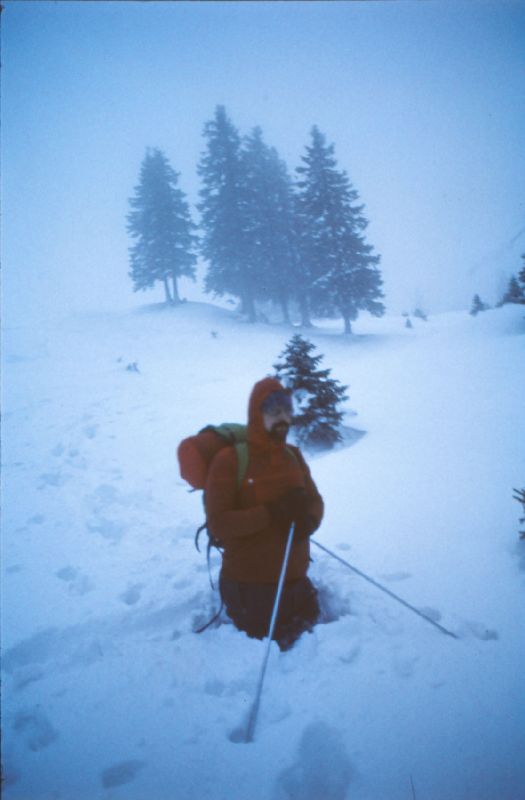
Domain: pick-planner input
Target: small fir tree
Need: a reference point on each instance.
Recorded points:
(477, 305)
(521, 276)
(519, 495)
(160, 224)
(514, 294)
(420, 314)
(318, 420)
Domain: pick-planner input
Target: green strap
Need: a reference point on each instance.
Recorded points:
(241, 448)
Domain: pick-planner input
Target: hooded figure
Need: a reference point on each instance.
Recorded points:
(253, 521)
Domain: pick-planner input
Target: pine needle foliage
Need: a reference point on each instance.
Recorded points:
(160, 224)
(318, 420)
(519, 495)
(477, 305)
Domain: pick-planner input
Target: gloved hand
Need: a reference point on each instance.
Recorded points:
(289, 507)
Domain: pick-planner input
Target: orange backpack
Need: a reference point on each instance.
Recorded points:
(196, 453)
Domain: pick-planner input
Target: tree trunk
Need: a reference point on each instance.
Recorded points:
(169, 299)
(248, 307)
(348, 325)
(306, 322)
(176, 298)
(286, 313)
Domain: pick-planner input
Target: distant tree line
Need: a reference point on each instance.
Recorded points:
(265, 236)
(515, 293)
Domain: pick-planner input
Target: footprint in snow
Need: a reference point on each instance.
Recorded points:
(107, 528)
(405, 665)
(55, 479)
(25, 675)
(67, 573)
(9, 775)
(35, 728)
(105, 495)
(121, 773)
(333, 605)
(78, 584)
(90, 431)
(479, 631)
(132, 595)
(322, 769)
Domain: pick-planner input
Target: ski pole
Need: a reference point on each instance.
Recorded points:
(384, 589)
(252, 719)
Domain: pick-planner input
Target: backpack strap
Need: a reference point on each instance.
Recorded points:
(241, 449)
(292, 455)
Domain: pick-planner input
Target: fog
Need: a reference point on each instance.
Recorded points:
(423, 101)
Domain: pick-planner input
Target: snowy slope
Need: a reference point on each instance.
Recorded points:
(107, 692)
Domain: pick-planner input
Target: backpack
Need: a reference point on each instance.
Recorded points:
(195, 455)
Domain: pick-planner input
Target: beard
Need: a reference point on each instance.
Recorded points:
(279, 431)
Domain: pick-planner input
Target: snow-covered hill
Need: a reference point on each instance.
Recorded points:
(108, 693)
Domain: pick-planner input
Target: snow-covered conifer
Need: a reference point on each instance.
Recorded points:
(514, 294)
(223, 213)
(268, 214)
(160, 224)
(477, 305)
(521, 276)
(339, 272)
(318, 420)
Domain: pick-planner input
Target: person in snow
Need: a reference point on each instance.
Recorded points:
(253, 521)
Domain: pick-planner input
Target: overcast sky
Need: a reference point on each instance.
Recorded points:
(424, 101)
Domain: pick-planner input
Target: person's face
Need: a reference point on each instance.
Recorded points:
(277, 422)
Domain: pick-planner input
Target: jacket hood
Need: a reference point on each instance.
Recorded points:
(257, 433)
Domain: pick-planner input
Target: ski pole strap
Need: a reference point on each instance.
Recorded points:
(384, 589)
(250, 728)
(212, 620)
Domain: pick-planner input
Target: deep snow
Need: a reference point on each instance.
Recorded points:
(107, 692)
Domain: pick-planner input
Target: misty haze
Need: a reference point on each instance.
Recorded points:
(197, 196)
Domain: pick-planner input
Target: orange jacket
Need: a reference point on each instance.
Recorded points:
(253, 547)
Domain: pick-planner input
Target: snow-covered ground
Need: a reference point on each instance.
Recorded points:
(107, 692)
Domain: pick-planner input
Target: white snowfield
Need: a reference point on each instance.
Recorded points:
(108, 694)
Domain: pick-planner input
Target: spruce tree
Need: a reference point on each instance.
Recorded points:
(160, 224)
(268, 215)
(222, 210)
(519, 495)
(521, 276)
(318, 420)
(514, 294)
(477, 305)
(340, 273)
